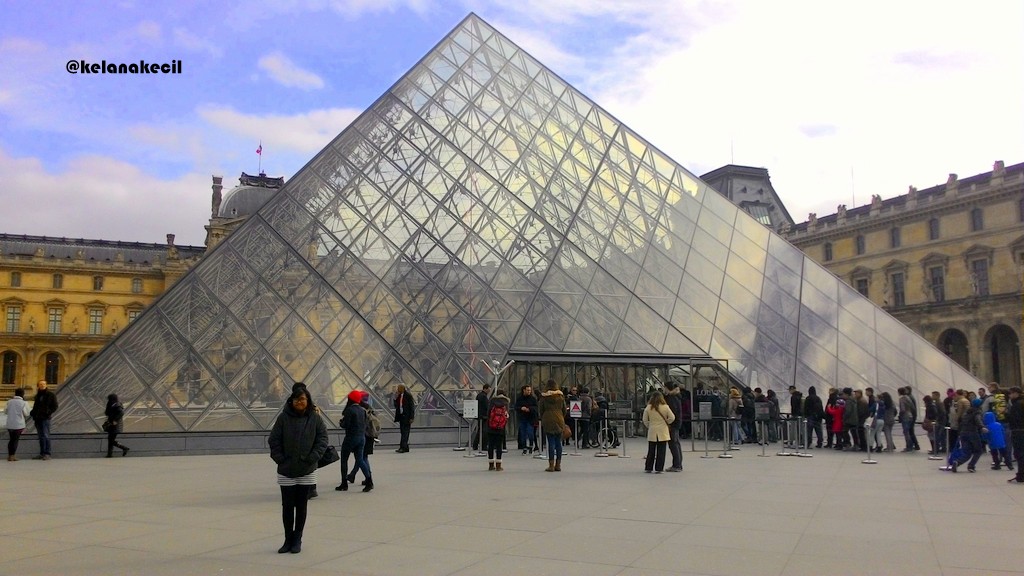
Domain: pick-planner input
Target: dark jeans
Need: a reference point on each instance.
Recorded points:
(494, 443)
(675, 448)
(294, 500)
(909, 435)
(583, 433)
(1017, 441)
(12, 444)
(112, 442)
(43, 430)
(814, 425)
(554, 446)
(973, 448)
(404, 427)
(354, 446)
(655, 456)
(527, 434)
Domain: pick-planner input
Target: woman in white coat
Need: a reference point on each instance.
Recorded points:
(17, 412)
(657, 417)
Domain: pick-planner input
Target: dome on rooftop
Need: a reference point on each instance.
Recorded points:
(246, 198)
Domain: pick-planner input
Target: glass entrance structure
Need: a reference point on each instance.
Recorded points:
(483, 209)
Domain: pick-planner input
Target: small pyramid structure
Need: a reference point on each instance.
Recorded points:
(483, 209)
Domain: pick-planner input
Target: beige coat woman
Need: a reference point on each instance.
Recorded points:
(657, 420)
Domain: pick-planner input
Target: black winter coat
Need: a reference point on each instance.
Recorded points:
(297, 441)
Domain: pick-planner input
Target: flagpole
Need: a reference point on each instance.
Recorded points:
(259, 152)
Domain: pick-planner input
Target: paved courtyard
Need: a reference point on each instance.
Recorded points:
(435, 511)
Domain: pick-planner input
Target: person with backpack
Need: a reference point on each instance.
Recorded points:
(497, 419)
(353, 421)
(372, 434)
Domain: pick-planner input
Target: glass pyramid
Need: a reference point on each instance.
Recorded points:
(483, 209)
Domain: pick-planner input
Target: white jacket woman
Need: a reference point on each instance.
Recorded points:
(657, 417)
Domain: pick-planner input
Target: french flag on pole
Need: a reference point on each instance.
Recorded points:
(259, 150)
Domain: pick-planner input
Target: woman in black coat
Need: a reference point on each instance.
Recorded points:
(297, 441)
(115, 416)
(405, 413)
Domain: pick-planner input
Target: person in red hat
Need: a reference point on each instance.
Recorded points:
(353, 421)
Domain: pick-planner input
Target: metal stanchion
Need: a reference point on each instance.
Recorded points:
(706, 434)
(870, 459)
(576, 438)
(622, 441)
(726, 440)
(804, 438)
(784, 451)
(458, 444)
(949, 453)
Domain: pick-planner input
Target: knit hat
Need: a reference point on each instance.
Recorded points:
(976, 402)
(355, 396)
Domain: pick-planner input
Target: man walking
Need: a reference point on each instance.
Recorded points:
(45, 405)
(674, 399)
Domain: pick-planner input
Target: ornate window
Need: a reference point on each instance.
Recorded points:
(136, 285)
(933, 229)
(13, 318)
(15, 279)
(937, 283)
(861, 284)
(133, 314)
(58, 281)
(95, 321)
(977, 220)
(55, 317)
(899, 289)
(97, 283)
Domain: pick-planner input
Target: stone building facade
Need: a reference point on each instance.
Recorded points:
(948, 261)
(64, 299)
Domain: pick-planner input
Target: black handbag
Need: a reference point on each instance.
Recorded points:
(330, 457)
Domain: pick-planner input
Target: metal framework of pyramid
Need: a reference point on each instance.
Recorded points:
(482, 208)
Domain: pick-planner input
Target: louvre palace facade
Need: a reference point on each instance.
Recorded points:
(483, 210)
(948, 261)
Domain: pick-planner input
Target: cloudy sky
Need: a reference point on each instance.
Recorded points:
(838, 100)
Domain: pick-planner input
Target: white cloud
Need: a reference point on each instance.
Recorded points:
(148, 30)
(540, 46)
(308, 132)
(836, 113)
(193, 43)
(285, 72)
(98, 197)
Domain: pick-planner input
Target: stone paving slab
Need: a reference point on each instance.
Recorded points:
(436, 512)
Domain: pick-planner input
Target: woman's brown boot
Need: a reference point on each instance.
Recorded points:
(551, 465)
(558, 465)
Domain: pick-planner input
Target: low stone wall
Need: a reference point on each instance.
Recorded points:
(199, 443)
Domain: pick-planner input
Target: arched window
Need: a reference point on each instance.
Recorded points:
(52, 370)
(10, 367)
